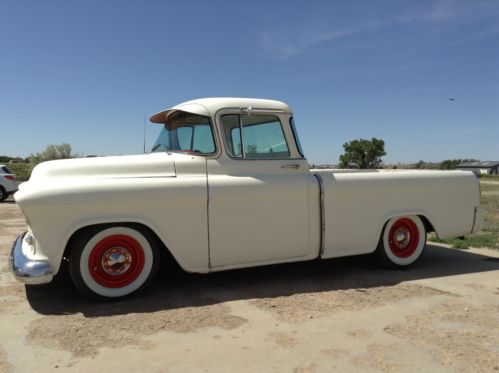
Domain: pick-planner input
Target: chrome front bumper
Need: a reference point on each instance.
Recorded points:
(28, 270)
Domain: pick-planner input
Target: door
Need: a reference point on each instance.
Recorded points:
(258, 194)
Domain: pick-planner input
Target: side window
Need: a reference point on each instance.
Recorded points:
(262, 137)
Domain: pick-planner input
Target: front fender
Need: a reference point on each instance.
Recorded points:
(174, 209)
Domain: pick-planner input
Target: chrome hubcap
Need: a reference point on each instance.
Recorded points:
(116, 260)
(402, 237)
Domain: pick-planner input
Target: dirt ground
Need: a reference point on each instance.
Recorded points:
(344, 314)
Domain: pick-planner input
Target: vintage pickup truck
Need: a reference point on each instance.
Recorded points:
(225, 186)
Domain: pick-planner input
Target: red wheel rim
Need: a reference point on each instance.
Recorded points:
(116, 261)
(403, 238)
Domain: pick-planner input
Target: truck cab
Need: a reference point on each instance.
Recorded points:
(261, 192)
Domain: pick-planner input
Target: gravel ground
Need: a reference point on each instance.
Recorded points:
(344, 314)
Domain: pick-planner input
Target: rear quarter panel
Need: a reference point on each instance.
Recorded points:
(357, 205)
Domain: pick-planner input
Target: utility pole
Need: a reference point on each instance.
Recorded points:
(145, 114)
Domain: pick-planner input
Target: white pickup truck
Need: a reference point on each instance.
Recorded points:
(225, 186)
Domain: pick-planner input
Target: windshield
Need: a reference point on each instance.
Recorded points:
(186, 133)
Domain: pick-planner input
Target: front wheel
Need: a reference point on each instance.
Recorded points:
(402, 242)
(113, 262)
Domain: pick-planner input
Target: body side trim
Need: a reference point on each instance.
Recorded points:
(322, 214)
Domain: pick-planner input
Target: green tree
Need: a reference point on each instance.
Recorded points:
(451, 164)
(420, 165)
(52, 152)
(363, 153)
(5, 159)
(251, 149)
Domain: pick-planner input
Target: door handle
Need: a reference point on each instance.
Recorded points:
(294, 166)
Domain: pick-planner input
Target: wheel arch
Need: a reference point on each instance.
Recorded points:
(166, 253)
(423, 215)
(427, 224)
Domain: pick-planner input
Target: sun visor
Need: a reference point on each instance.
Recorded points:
(162, 117)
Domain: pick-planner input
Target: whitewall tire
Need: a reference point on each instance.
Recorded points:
(402, 241)
(113, 262)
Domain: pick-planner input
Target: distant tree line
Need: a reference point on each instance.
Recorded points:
(6, 159)
(448, 164)
(51, 152)
(362, 153)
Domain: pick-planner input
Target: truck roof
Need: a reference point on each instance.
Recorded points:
(209, 106)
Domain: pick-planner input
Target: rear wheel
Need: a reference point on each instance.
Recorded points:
(402, 242)
(113, 262)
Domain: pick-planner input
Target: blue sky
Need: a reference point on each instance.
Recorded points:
(85, 72)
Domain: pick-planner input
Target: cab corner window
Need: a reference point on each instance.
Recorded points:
(262, 137)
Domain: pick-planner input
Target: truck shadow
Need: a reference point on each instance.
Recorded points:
(174, 289)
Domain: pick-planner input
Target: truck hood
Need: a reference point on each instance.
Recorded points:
(132, 166)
